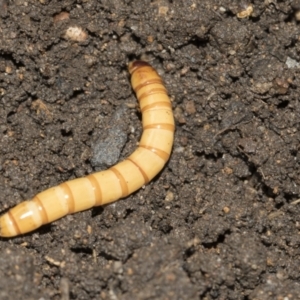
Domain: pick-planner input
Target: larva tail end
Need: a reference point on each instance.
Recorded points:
(6, 227)
(134, 65)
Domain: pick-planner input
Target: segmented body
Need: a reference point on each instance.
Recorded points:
(118, 181)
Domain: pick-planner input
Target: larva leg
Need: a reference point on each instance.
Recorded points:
(117, 182)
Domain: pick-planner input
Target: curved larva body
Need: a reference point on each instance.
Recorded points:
(117, 182)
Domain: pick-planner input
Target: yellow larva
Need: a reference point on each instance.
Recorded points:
(117, 182)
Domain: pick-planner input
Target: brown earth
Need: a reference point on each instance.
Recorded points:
(222, 220)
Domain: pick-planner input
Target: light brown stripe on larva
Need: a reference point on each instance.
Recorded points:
(152, 92)
(158, 80)
(162, 104)
(162, 154)
(42, 210)
(14, 222)
(169, 127)
(68, 195)
(123, 184)
(97, 189)
(146, 179)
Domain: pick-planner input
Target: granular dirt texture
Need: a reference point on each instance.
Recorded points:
(222, 220)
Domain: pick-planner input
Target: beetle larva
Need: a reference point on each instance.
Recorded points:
(118, 181)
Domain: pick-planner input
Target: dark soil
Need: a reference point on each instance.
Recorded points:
(222, 220)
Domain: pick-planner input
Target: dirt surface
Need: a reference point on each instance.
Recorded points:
(222, 220)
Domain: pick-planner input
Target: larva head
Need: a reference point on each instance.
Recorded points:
(134, 65)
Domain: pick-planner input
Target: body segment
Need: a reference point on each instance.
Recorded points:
(118, 181)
